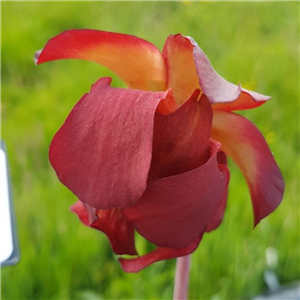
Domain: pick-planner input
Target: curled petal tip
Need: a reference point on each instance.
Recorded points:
(216, 88)
(276, 197)
(36, 56)
(256, 96)
(247, 147)
(221, 93)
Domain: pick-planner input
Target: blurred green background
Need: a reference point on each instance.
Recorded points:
(255, 43)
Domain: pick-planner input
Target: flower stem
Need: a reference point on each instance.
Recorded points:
(182, 278)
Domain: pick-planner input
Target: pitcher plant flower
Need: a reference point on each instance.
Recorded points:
(152, 157)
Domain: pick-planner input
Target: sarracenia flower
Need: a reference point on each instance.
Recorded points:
(152, 157)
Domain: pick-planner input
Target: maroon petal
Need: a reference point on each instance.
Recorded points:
(181, 139)
(102, 153)
(134, 265)
(174, 210)
(110, 221)
(243, 142)
(218, 216)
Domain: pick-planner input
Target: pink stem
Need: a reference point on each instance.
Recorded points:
(182, 278)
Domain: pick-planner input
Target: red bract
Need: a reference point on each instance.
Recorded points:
(152, 157)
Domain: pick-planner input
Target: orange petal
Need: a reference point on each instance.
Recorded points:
(182, 75)
(136, 61)
(243, 142)
(189, 68)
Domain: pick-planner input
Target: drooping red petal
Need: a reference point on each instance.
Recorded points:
(134, 265)
(181, 70)
(181, 139)
(136, 61)
(102, 153)
(110, 221)
(188, 69)
(243, 142)
(174, 210)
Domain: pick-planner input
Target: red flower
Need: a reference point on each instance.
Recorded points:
(152, 157)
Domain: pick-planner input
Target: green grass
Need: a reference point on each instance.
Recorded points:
(255, 43)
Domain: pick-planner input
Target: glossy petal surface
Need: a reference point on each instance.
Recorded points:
(134, 265)
(174, 210)
(137, 62)
(110, 221)
(102, 153)
(243, 142)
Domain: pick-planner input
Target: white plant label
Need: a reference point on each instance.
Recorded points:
(6, 230)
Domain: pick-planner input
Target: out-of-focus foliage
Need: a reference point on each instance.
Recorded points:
(255, 43)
